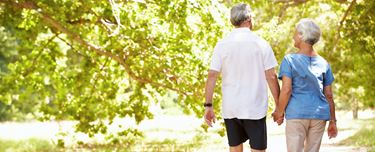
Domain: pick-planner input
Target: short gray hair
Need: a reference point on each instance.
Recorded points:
(309, 31)
(240, 13)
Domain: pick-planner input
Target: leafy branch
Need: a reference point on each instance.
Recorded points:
(341, 23)
(58, 26)
(32, 67)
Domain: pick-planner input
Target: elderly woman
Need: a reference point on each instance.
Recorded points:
(306, 93)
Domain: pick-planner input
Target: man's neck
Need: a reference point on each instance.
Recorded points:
(243, 26)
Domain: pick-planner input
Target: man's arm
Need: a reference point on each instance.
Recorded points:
(209, 114)
(273, 84)
(210, 85)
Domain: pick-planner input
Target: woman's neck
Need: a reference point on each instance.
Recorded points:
(307, 50)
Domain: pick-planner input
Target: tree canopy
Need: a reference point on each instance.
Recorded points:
(93, 61)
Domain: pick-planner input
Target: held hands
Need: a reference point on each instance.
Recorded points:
(209, 116)
(278, 117)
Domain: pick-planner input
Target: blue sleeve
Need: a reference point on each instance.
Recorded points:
(328, 77)
(285, 69)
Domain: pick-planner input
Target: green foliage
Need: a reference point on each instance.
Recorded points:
(32, 144)
(94, 61)
(55, 73)
(357, 54)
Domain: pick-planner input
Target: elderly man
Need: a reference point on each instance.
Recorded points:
(246, 62)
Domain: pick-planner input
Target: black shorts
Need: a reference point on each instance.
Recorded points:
(240, 130)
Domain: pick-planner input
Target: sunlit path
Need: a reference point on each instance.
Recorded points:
(185, 129)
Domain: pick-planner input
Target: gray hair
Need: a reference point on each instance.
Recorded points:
(309, 31)
(240, 13)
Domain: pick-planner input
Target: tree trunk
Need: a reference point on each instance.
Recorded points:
(355, 108)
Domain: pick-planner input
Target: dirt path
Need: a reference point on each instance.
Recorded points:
(185, 128)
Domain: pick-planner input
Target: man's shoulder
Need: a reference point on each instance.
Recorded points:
(260, 40)
(230, 38)
(220, 43)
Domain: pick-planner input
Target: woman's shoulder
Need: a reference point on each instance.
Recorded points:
(297, 56)
(322, 60)
(291, 56)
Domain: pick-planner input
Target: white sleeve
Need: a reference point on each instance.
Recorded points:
(269, 60)
(216, 60)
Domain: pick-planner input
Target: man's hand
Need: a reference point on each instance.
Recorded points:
(209, 116)
(278, 117)
(332, 130)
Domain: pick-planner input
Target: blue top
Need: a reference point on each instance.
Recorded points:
(309, 75)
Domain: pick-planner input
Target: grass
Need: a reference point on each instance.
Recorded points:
(42, 145)
(32, 144)
(365, 137)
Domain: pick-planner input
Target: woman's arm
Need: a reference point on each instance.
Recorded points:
(286, 91)
(332, 129)
(329, 95)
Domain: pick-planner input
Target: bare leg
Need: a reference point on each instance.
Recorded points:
(238, 148)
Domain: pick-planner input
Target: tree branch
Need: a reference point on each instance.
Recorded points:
(341, 23)
(32, 66)
(100, 70)
(291, 2)
(346, 14)
(56, 25)
(286, 5)
(370, 53)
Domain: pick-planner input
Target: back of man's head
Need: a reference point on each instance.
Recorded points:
(240, 13)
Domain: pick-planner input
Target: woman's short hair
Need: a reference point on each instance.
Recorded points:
(309, 31)
(240, 13)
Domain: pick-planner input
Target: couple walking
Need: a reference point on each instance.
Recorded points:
(247, 64)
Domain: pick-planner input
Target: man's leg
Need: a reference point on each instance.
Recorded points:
(295, 132)
(235, 133)
(254, 150)
(238, 148)
(256, 130)
(314, 135)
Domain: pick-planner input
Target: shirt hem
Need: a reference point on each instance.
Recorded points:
(244, 117)
(308, 117)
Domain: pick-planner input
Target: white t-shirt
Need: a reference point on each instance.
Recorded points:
(242, 57)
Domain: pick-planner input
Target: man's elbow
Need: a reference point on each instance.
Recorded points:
(271, 77)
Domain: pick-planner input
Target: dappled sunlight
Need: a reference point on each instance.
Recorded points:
(130, 75)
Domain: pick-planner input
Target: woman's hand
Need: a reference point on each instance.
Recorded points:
(332, 129)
